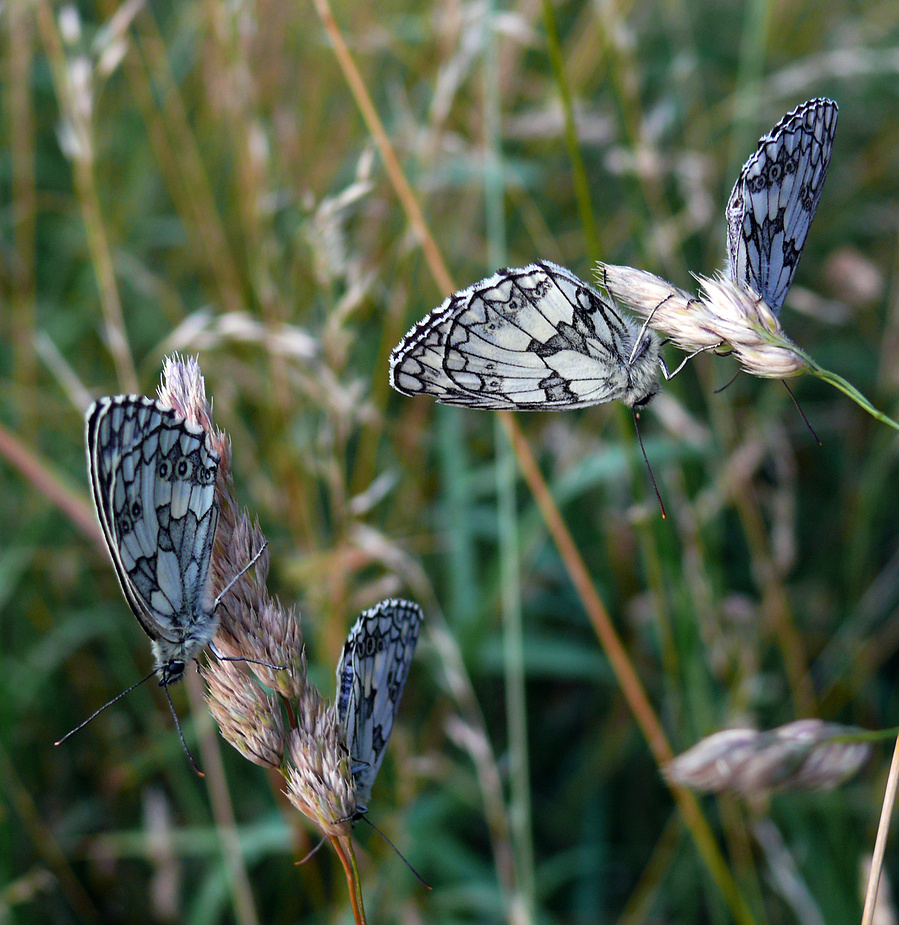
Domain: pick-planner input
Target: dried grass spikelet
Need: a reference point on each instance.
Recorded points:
(319, 782)
(808, 754)
(282, 722)
(726, 315)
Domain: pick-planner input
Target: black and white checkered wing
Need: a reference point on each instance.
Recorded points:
(152, 477)
(774, 200)
(371, 675)
(535, 338)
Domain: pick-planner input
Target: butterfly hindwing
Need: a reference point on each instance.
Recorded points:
(775, 197)
(535, 338)
(371, 676)
(152, 476)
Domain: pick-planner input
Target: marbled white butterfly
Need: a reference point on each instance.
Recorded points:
(152, 476)
(536, 338)
(371, 675)
(774, 200)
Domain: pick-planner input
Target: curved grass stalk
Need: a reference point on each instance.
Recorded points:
(343, 845)
(838, 382)
(624, 671)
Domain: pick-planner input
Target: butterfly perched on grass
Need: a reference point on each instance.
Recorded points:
(534, 338)
(371, 675)
(774, 200)
(769, 214)
(152, 476)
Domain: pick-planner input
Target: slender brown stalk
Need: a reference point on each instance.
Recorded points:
(39, 473)
(223, 810)
(343, 845)
(631, 687)
(880, 844)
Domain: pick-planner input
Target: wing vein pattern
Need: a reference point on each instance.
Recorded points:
(152, 477)
(371, 676)
(775, 198)
(533, 338)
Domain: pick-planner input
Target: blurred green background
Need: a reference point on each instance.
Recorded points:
(197, 177)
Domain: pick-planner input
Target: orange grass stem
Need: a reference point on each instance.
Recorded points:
(577, 570)
(343, 845)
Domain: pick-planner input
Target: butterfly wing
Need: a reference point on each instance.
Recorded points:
(152, 477)
(536, 338)
(371, 675)
(775, 197)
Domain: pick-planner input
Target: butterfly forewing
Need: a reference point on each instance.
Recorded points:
(536, 338)
(775, 197)
(152, 477)
(371, 675)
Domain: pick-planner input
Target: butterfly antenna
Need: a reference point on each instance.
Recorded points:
(109, 703)
(308, 856)
(728, 384)
(241, 573)
(799, 409)
(190, 757)
(418, 876)
(668, 375)
(652, 478)
(639, 338)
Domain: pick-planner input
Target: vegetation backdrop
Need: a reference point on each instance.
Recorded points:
(199, 177)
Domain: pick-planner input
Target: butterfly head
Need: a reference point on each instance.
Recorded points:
(642, 371)
(170, 672)
(173, 657)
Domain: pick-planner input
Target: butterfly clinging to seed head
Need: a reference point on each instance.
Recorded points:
(371, 675)
(774, 200)
(530, 339)
(152, 475)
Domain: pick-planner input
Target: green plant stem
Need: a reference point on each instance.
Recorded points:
(847, 388)
(578, 170)
(89, 199)
(825, 375)
(625, 673)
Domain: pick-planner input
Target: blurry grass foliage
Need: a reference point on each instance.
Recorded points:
(197, 177)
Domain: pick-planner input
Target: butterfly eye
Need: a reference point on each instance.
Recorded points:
(183, 469)
(164, 470)
(136, 509)
(171, 672)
